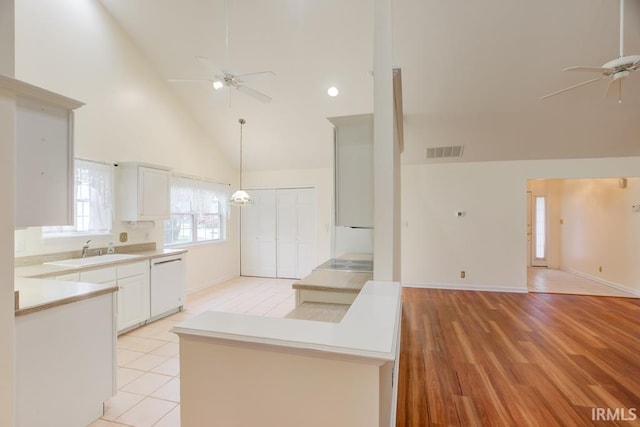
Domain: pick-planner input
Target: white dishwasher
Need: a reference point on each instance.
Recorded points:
(168, 283)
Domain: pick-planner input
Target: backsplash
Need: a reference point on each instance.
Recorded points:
(29, 242)
(42, 258)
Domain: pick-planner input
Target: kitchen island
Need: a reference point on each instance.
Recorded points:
(241, 370)
(65, 345)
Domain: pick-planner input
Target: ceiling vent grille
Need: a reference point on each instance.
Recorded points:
(444, 152)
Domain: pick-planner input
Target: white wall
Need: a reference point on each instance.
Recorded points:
(75, 48)
(352, 240)
(7, 183)
(321, 179)
(600, 229)
(489, 242)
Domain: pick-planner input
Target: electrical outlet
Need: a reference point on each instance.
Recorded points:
(124, 236)
(463, 274)
(600, 269)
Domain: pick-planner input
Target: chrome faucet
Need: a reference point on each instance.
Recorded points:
(85, 249)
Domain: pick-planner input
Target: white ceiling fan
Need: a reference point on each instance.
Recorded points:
(223, 77)
(616, 70)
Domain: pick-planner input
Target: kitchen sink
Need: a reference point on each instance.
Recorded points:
(93, 260)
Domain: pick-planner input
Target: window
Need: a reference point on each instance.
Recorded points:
(541, 221)
(94, 201)
(197, 212)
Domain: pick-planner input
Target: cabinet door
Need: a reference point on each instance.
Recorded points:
(44, 164)
(258, 235)
(153, 193)
(354, 171)
(133, 301)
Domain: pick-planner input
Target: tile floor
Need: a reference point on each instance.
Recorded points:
(148, 357)
(547, 280)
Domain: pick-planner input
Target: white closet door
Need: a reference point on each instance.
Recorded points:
(306, 230)
(287, 233)
(279, 233)
(258, 230)
(296, 232)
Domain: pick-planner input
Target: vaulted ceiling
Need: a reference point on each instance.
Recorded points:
(473, 73)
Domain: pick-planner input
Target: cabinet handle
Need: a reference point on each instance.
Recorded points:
(168, 261)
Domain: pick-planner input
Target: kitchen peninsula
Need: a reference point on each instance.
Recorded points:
(293, 372)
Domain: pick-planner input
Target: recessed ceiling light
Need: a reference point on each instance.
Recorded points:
(333, 91)
(217, 85)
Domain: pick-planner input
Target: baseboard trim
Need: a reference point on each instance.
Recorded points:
(460, 287)
(631, 292)
(212, 283)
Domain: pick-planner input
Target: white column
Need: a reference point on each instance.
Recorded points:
(7, 137)
(386, 155)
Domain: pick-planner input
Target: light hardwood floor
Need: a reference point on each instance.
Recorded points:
(547, 280)
(500, 359)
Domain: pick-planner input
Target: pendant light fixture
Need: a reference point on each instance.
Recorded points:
(240, 197)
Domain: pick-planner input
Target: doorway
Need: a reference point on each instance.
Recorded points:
(582, 235)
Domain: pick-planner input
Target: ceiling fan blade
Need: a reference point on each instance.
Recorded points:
(614, 87)
(611, 87)
(604, 70)
(573, 87)
(255, 76)
(254, 93)
(190, 81)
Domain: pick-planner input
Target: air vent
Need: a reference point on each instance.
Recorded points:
(444, 152)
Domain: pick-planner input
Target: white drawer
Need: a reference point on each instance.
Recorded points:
(133, 269)
(102, 275)
(71, 277)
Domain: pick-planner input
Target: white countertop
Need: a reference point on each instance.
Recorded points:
(368, 332)
(41, 294)
(48, 270)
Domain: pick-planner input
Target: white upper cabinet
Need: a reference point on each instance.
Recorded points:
(354, 170)
(143, 192)
(44, 155)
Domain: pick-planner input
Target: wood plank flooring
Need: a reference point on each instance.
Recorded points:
(503, 359)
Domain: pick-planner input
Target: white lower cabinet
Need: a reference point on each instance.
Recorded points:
(133, 295)
(65, 366)
(133, 290)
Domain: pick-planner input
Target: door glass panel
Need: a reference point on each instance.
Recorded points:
(540, 227)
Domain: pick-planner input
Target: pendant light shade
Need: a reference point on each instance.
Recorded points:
(240, 197)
